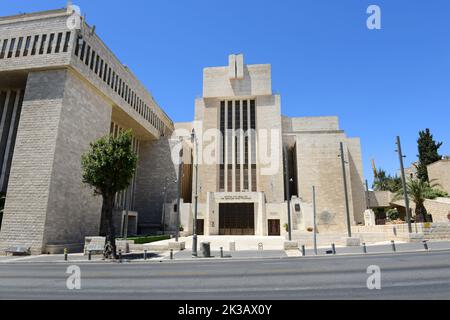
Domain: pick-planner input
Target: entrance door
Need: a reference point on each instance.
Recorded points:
(236, 219)
(200, 227)
(274, 227)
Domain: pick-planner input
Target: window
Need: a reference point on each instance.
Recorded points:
(58, 42)
(100, 73)
(50, 43)
(27, 46)
(97, 64)
(5, 44)
(92, 60)
(88, 55)
(108, 77)
(34, 48)
(66, 41)
(19, 46)
(83, 47)
(11, 47)
(41, 49)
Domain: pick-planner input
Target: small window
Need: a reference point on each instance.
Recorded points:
(92, 60)
(58, 42)
(41, 49)
(35, 43)
(88, 55)
(83, 48)
(27, 46)
(50, 43)
(66, 41)
(97, 64)
(19, 46)
(11, 47)
(100, 73)
(107, 75)
(5, 44)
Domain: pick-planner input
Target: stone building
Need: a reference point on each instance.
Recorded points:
(241, 136)
(439, 172)
(61, 88)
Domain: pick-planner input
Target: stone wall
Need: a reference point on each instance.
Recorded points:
(47, 202)
(440, 172)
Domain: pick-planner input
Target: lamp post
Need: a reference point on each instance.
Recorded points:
(194, 141)
(405, 189)
(344, 174)
(180, 176)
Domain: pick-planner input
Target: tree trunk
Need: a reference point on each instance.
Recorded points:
(107, 225)
(421, 212)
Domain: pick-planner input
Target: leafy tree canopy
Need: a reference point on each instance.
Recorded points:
(428, 153)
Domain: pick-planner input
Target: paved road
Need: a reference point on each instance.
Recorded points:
(423, 275)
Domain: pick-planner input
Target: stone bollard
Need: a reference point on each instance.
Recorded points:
(232, 246)
(393, 246)
(303, 251)
(221, 252)
(90, 255)
(364, 248)
(171, 254)
(260, 246)
(333, 248)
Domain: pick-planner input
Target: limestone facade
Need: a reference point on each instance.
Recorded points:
(61, 88)
(242, 170)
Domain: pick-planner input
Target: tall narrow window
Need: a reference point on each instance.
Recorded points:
(100, 72)
(19, 46)
(43, 40)
(11, 47)
(97, 64)
(83, 48)
(88, 55)
(27, 46)
(66, 41)
(4, 46)
(35, 43)
(92, 60)
(58, 42)
(50, 43)
(222, 147)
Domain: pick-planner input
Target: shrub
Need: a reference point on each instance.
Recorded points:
(393, 214)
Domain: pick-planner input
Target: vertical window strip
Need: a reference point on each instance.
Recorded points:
(67, 41)
(19, 47)
(58, 42)
(42, 46)
(50, 43)
(11, 47)
(27, 46)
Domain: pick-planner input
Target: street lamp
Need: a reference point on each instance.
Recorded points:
(344, 174)
(194, 141)
(180, 176)
(405, 188)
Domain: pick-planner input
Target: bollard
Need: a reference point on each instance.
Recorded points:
(221, 252)
(145, 254)
(425, 245)
(120, 255)
(90, 255)
(333, 248)
(260, 246)
(364, 248)
(393, 246)
(303, 251)
(171, 254)
(66, 257)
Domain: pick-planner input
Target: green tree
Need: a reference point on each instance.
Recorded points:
(385, 182)
(109, 167)
(418, 191)
(428, 153)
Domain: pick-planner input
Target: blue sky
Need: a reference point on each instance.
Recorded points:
(384, 83)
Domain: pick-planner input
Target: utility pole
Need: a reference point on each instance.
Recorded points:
(344, 174)
(180, 176)
(367, 195)
(288, 193)
(405, 190)
(163, 220)
(314, 219)
(194, 236)
(127, 208)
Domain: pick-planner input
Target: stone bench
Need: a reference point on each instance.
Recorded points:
(18, 251)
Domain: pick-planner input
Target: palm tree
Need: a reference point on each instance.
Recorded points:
(418, 191)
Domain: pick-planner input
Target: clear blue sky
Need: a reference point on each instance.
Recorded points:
(325, 61)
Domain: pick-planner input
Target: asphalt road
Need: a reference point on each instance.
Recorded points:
(403, 276)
